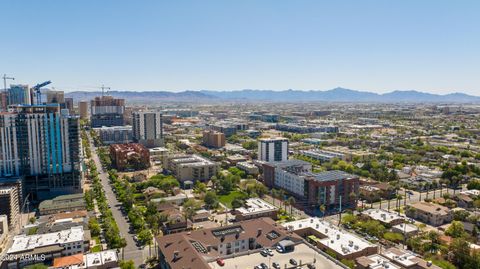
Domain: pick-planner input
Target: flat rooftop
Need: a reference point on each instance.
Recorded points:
(382, 215)
(255, 206)
(376, 261)
(22, 243)
(337, 239)
(332, 175)
(100, 258)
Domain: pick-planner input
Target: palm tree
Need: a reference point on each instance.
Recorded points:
(291, 201)
(427, 186)
(322, 209)
(274, 194)
(380, 202)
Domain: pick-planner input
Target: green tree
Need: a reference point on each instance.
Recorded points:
(94, 226)
(127, 264)
(455, 229)
(211, 200)
(237, 203)
(145, 237)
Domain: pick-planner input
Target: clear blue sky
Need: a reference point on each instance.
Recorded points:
(429, 45)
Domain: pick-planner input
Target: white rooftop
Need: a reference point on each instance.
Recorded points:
(336, 238)
(29, 242)
(380, 262)
(382, 215)
(406, 227)
(406, 259)
(100, 258)
(255, 206)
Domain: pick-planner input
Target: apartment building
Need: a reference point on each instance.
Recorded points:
(190, 167)
(41, 145)
(248, 167)
(334, 189)
(115, 134)
(83, 109)
(148, 128)
(273, 149)
(195, 249)
(430, 213)
(132, 156)
(10, 203)
(107, 111)
(213, 139)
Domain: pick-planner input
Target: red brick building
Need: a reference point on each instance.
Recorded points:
(129, 156)
(213, 139)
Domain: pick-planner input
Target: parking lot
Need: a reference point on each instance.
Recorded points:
(302, 254)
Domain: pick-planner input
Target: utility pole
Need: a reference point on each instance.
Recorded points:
(5, 89)
(103, 89)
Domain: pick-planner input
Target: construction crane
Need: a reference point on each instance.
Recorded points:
(36, 90)
(5, 82)
(103, 89)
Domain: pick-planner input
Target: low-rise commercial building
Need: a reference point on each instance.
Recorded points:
(47, 246)
(99, 260)
(383, 216)
(62, 203)
(255, 208)
(429, 213)
(327, 236)
(131, 156)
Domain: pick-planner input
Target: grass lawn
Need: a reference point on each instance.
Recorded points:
(32, 231)
(228, 198)
(96, 248)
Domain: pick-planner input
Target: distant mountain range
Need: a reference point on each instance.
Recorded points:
(334, 95)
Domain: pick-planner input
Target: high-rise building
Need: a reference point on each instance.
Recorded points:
(42, 146)
(69, 104)
(213, 139)
(273, 149)
(83, 109)
(19, 95)
(107, 111)
(55, 97)
(10, 202)
(148, 128)
(3, 101)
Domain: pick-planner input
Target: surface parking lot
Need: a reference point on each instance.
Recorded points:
(302, 253)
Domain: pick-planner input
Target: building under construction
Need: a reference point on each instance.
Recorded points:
(107, 111)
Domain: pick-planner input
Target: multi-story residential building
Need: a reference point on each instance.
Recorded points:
(3, 101)
(429, 213)
(229, 128)
(148, 128)
(249, 168)
(322, 155)
(19, 95)
(83, 109)
(10, 202)
(158, 154)
(328, 236)
(131, 156)
(115, 134)
(47, 246)
(334, 189)
(273, 149)
(41, 145)
(195, 249)
(213, 139)
(107, 111)
(190, 167)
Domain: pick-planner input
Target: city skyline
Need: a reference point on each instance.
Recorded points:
(158, 46)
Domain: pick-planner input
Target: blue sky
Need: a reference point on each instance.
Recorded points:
(380, 46)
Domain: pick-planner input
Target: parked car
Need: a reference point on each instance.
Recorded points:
(293, 262)
(269, 252)
(264, 266)
(279, 249)
(275, 265)
(264, 253)
(310, 266)
(220, 262)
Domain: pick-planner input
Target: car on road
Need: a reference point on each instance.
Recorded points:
(276, 265)
(293, 262)
(220, 262)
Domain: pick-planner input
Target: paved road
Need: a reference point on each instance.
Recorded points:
(131, 251)
(415, 197)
